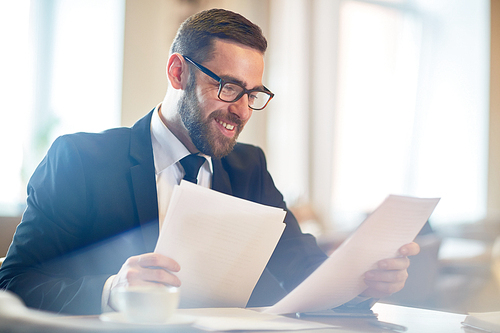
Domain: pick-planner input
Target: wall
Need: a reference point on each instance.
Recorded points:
(494, 142)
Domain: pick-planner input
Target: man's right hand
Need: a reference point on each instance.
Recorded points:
(147, 269)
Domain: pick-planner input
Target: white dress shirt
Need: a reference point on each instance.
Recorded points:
(167, 152)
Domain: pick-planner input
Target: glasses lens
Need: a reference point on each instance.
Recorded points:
(229, 92)
(258, 100)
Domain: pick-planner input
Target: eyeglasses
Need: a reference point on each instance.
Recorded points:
(231, 92)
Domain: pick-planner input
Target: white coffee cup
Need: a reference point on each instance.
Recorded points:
(146, 304)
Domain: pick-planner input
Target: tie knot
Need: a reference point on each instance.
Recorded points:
(191, 165)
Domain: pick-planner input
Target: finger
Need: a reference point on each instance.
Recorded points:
(158, 260)
(161, 276)
(381, 289)
(410, 249)
(135, 276)
(400, 263)
(386, 276)
(135, 283)
(145, 269)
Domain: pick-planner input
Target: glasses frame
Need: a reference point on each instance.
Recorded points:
(222, 82)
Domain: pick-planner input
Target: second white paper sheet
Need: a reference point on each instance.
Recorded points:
(221, 242)
(339, 279)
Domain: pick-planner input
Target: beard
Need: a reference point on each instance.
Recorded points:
(206, 137)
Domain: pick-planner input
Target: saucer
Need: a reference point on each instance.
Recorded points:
(118, 317)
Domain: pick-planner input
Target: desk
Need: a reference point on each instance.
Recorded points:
(416, 320)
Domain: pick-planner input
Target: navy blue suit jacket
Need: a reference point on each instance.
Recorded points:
(92, 203)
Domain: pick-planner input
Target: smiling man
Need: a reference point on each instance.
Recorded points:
(96, 200)
(214, 108)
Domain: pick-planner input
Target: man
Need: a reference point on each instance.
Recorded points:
(95, 201)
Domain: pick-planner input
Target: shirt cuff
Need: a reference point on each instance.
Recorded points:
(106, 291)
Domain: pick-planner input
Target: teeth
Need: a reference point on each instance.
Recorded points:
(227, 126)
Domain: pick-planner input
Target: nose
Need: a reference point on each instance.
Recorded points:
(241, 109)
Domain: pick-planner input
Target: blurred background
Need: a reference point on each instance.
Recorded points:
(373, 97)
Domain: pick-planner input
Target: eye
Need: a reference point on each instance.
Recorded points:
(230, 90)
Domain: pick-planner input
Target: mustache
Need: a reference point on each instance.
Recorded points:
(219, 114)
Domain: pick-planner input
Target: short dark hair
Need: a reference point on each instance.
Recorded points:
(196, 34)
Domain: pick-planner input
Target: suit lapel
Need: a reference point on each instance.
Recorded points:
(220, 180)
(143, 180)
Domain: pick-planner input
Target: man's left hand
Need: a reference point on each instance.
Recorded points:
(391, 274)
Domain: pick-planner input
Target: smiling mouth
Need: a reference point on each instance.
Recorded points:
(227, 126)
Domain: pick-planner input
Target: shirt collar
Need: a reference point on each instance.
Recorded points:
(167, 149)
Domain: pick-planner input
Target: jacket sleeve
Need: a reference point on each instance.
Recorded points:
(42, 264)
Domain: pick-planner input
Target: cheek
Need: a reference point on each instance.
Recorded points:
(207, 96)
(205, 110)
(205, 104)
(208, 107)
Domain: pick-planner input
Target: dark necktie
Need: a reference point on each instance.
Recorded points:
(191, 165)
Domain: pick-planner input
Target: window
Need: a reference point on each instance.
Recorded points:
(61, 73)
(412, 107)
(15, 83)
(376, 98)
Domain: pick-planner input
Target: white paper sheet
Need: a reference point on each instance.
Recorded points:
(221, 242)
(236, 319)
(339, 279)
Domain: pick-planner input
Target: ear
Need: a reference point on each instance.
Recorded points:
(177, 71)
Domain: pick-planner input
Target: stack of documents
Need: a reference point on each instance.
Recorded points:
(484, 321)
(221, 242)
(234, 319)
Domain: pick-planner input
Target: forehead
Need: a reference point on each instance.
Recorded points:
(238, 61)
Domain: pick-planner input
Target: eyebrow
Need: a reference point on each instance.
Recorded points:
(232, 79)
